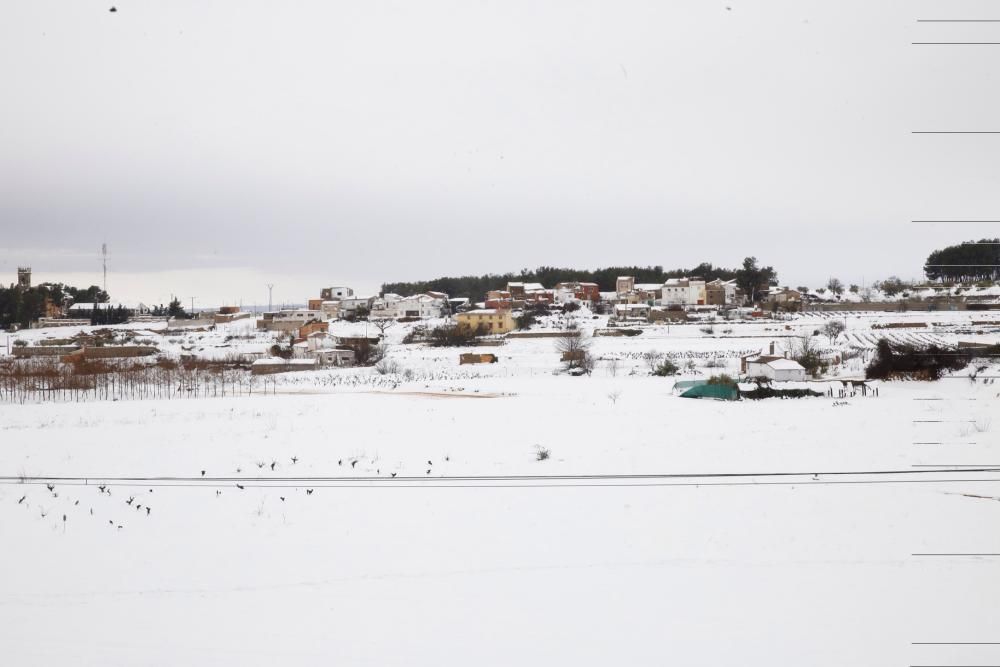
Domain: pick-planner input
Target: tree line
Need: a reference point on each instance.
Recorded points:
(22, 305)
(474, 287)
(966, 262)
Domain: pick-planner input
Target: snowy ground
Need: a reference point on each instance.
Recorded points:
(372, 569)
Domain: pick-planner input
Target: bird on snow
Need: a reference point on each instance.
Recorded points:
(101, 488)
(21, 500)
(50, 487)
(273, 463)
(354, 463)
(202, 473)
(282, 498)
(148, 510)
(309, 492)
(393, 474)
(240, 487)
(295, 460)
(130, 500)
(113, 10)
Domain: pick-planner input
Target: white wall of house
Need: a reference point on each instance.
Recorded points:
(780, 370)
(302, 315)
(684, 292)
(423, 306)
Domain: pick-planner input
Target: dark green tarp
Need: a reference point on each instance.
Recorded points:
(720, 392)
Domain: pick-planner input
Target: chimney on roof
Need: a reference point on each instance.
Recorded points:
(772, 348)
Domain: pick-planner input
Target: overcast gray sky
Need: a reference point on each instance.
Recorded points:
(216, 146)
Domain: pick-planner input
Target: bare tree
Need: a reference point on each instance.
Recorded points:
(833, 328)
(652, 359)
(613, 366)
(382, 323)
(574, 349)
(614, 396)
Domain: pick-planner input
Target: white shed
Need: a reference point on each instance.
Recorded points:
(778, 369)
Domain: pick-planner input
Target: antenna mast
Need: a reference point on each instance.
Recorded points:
(104, 262)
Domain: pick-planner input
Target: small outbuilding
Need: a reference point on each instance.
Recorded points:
(778, 369)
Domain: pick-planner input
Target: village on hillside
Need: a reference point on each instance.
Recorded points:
(698, 331)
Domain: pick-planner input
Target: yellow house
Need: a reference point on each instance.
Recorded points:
(491, 321)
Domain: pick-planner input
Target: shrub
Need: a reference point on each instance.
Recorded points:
(452, 336)
(652, 359)
(387, 367)
(769, 392)
(893, 359)
(542, 454)
(666, 368)
(723, 380)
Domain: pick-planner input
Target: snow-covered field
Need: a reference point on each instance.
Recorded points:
(351, 541)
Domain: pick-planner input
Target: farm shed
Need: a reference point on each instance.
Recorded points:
(778, 369)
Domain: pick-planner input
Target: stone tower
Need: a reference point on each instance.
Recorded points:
(24, 276)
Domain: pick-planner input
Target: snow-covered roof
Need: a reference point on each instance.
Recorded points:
(785, 365)
(484, 311)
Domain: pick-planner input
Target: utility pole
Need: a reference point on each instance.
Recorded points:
(192, 306)
(270, 287)
(104, 256)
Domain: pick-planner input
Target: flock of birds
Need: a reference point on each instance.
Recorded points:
(141, 504)
(142, 507)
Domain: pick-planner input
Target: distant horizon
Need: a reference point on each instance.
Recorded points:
(154, 287)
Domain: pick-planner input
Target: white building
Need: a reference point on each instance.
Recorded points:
(683, 291)
(300, 315)
(423, 306)
(778, 369)
(632, 311)
(350, 305)
(331, 293)
(330, 309)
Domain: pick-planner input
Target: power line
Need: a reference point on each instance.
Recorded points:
(521, 481)
(520, 478)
